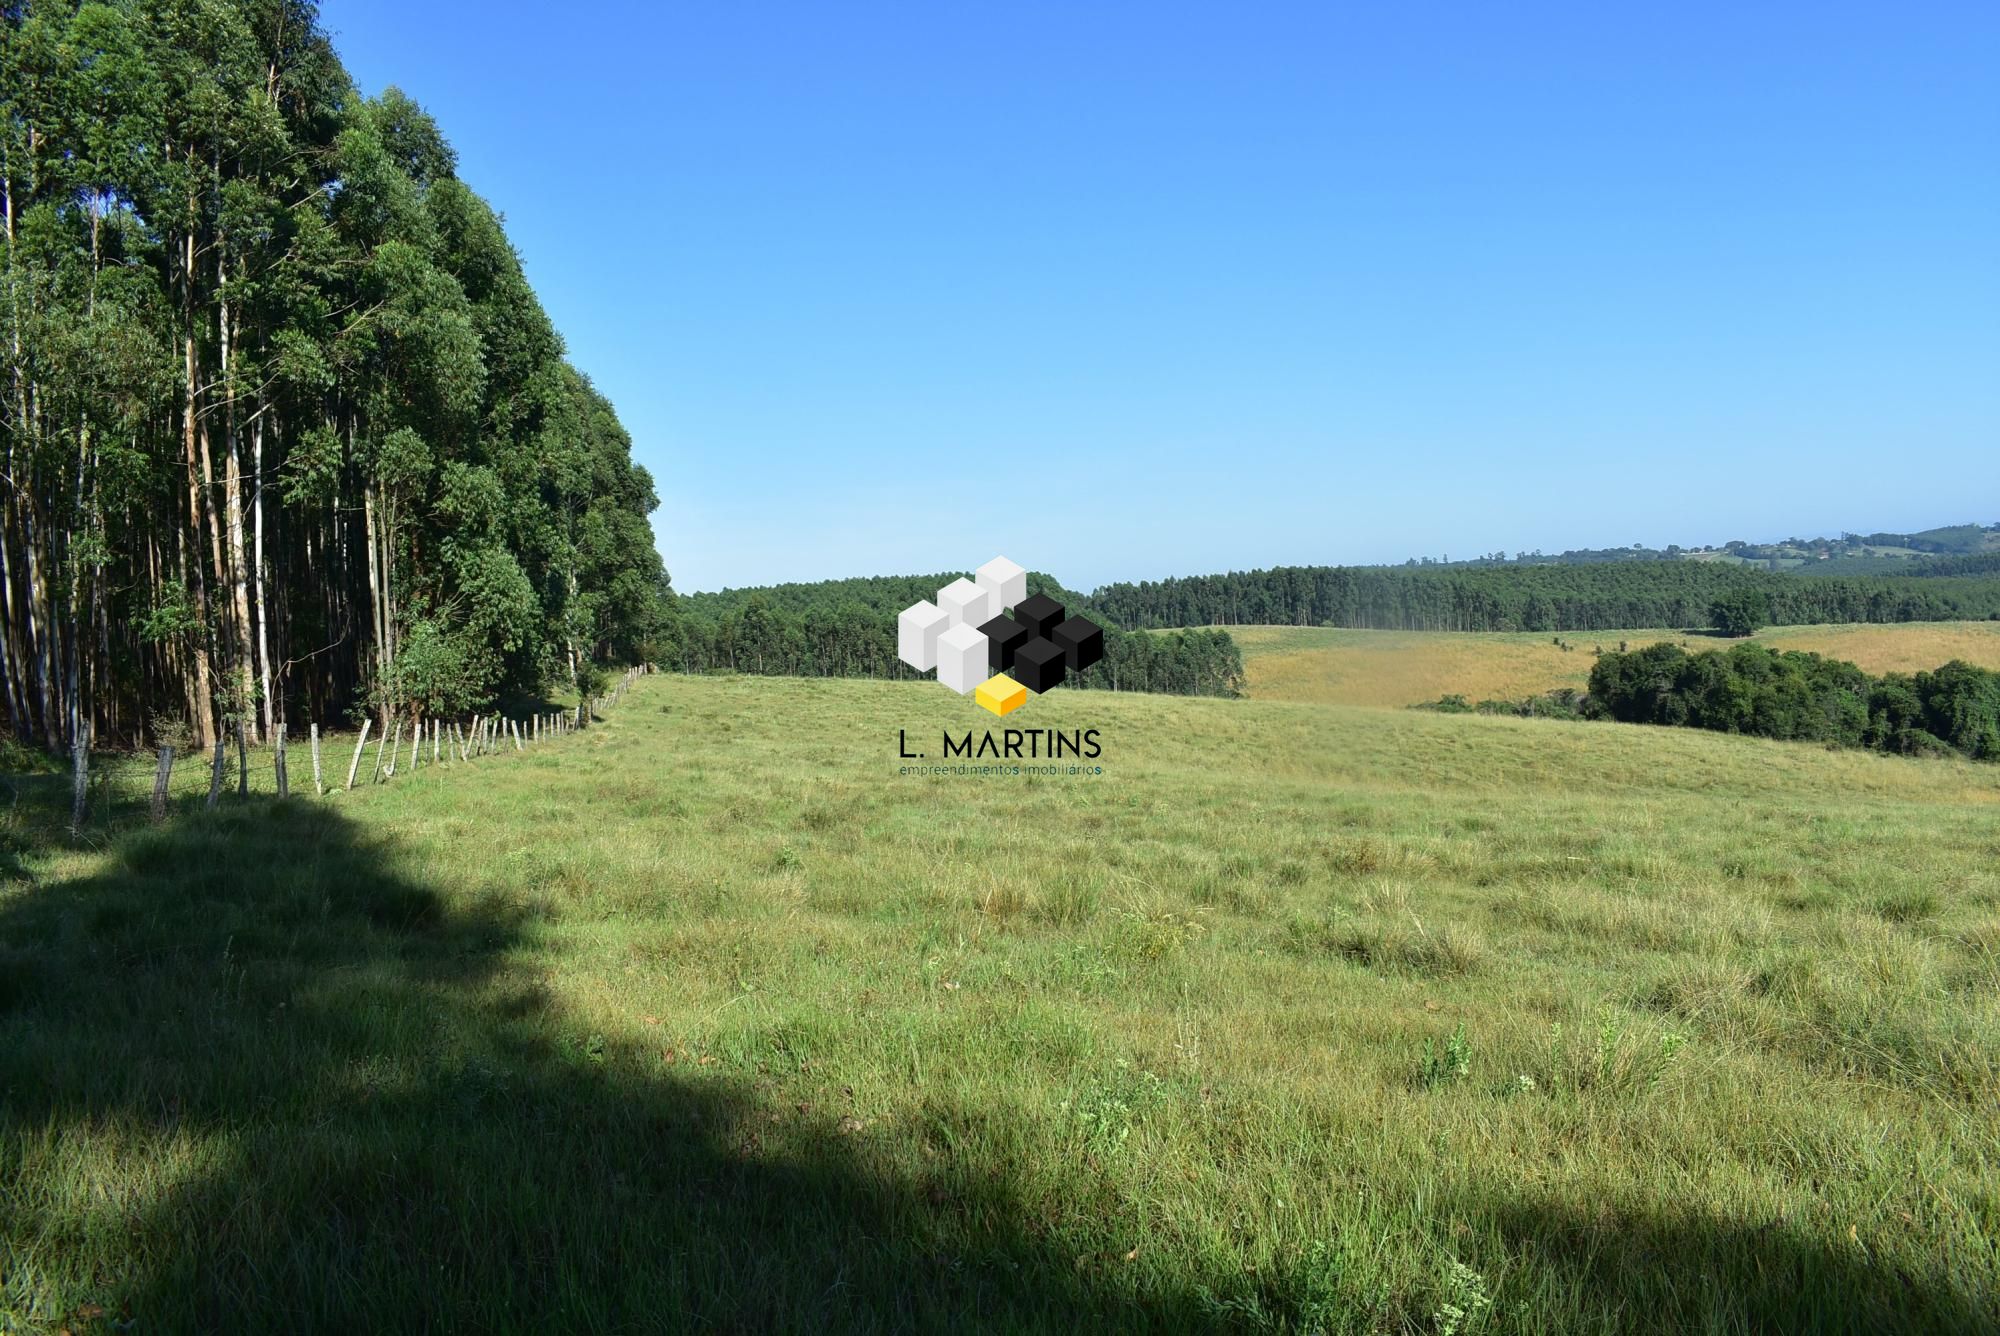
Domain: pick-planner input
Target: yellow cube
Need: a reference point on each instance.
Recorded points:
(1001, 694)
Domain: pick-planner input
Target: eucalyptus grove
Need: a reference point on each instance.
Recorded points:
(286, 431)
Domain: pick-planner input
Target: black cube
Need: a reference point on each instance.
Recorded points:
(1039, 614)
(1081, 641)
(1003, 635)
(1038, 664)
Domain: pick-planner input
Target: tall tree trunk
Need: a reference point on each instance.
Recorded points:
(79, 717)
(377, 601)
(263, 603)
(243, 679)
(41, 627)
(11, 650)
(195, 444)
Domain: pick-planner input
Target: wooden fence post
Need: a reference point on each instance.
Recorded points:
(359, 743)
(416, 741)
(215, 772)
(512, 728)
(319, 789)
(160, 778)
(242, 763)
(376, 774)
(434, 740)
(284, 783)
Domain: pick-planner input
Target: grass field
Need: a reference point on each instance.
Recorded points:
(1296, 1018)
(1397, 668)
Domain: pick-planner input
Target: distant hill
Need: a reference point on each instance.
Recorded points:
(1849, 554)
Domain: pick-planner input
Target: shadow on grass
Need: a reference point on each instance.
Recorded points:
(1614, 1269)
(253, 1076)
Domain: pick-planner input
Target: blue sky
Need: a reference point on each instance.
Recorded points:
(1134, 290)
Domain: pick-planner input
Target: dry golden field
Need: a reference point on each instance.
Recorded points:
(1397, 668)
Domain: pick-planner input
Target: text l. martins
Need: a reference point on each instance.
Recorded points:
(1012, 744)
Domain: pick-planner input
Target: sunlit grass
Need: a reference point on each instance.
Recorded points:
(1297, 1018)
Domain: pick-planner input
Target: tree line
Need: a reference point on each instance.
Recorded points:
(1752, 689)
(1587, 597)
(847, 628)
(1984, 563)
(285, 430)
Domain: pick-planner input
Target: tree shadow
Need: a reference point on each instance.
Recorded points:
(1613, 1267)
(254, 1076)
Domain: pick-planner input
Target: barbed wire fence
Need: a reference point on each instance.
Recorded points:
(131, 788)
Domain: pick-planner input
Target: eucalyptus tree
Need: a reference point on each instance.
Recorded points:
(285, 426)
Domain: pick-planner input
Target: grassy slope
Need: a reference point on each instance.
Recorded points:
(1397, 668)
(707, 1018)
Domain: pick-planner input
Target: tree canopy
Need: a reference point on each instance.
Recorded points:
(1753, 689)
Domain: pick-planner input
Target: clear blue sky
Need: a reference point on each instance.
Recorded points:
(1132, 290)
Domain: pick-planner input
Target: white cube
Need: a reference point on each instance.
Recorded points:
(1006, 582)
(961, 658)
(968, 604)
(917, 632)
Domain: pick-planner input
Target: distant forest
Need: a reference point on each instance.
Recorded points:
(847, 628)
(1591, 597)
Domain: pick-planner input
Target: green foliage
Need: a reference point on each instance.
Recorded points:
(1562, 703)
(1464, 1301)
(433, 673)
(172, 615)
(1752, 689)
(1741, 612)
(1445, 1064)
